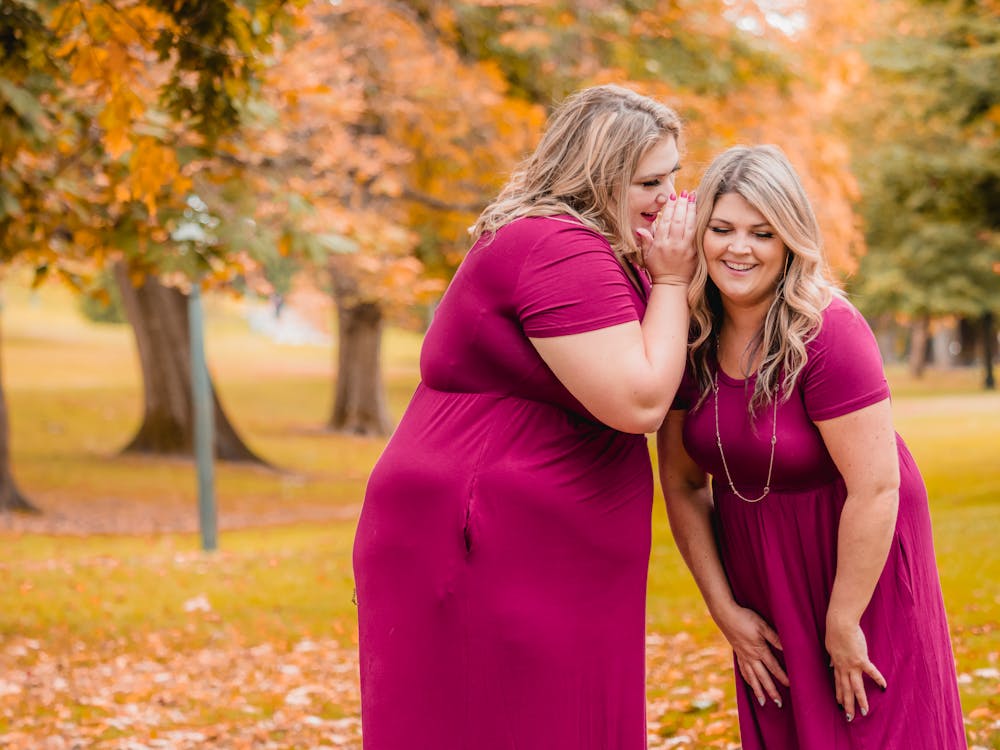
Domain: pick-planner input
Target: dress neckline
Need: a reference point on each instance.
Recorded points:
(730, 380)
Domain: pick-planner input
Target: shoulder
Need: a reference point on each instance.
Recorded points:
(841, 322)
(844, 369)
(542, 228)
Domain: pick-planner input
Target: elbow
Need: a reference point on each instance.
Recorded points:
(639, 420)
(645, 412)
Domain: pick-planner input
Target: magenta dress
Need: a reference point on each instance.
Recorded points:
(503, 546)
(780, 555)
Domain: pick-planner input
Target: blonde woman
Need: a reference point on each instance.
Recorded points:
(812, 543)
(503, 546)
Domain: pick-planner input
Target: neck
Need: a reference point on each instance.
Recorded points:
(740, 327)
(743, 322)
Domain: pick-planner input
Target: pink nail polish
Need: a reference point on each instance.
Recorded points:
(673, 197)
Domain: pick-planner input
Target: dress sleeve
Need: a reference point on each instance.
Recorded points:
(571, 282)
(844, 372)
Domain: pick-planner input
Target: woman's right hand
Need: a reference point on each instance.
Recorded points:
(668, 250)
(752, 639)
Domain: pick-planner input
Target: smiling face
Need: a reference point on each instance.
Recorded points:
(744, 256)
(652, 183)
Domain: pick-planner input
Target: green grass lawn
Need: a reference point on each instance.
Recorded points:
(123, 578)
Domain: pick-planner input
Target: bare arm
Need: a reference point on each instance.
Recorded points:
(863, 446)
(689, 510)
(626, 375)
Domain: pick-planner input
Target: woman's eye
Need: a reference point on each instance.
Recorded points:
(651, 183)
(718, 230)
(764, 235)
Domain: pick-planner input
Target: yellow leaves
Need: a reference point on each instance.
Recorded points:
(117, 120)
(152, 167)
(523, 40)
(89, 64)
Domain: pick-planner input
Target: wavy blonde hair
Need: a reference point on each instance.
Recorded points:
(584, 164)
(765, 178)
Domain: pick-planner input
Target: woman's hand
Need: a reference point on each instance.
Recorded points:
(752, 639)
(668, 251)
(848, 649)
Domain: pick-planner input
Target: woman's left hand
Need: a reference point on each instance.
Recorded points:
(848, 649)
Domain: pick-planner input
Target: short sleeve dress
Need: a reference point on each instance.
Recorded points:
(780, 555)
(503, 545)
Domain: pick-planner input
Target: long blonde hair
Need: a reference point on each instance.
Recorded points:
(584, 164)
(765, 178)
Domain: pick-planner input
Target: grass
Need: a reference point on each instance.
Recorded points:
(283, 573)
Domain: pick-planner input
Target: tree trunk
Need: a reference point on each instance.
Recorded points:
(919, 333)
(989, 341)
(359, 404)
(159, 317)
(968, 333)
(10, 496)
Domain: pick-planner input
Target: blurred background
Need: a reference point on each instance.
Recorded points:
(294, 180)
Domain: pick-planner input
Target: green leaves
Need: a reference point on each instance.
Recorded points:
(930, 175)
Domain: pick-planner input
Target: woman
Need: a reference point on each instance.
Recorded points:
(503, 546)
(812, 547)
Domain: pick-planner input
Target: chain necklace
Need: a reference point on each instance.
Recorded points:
(722, 455)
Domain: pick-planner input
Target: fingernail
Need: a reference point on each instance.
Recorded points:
(777, 702)
(761, 701)
(684, 193)
(850, 718)
(864, 711)
(673, 197)
(691, 198)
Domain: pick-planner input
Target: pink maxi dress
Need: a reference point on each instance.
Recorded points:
(780, 555)
(503, 546)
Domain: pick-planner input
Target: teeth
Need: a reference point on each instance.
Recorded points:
(739, 266)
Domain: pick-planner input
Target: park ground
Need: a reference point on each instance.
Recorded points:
(118, 631)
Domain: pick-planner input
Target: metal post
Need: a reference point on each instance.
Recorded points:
(203, 423)
(989, 337)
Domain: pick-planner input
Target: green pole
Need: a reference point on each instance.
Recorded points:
(203, 424)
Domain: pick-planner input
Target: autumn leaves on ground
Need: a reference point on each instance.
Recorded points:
(118, 632)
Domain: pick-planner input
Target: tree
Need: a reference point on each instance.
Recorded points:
(167, 85)
(383, 145)
(110, 115)
(27, 133)
(930, 169)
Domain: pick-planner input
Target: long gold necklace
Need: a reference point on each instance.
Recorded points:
(722, 455)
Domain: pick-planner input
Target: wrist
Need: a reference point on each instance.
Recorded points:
(839, 617)
(721, 610)
(670, 280)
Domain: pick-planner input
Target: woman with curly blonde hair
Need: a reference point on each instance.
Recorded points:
(812, 543)
(503, 546)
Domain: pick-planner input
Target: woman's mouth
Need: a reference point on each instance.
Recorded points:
(738, 266)
(650, 217)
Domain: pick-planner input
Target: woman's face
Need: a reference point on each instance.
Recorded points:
(744, 255)
(652, 183)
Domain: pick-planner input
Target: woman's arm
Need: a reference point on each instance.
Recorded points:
(626, 375)
(689, 510)
(862, 444)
